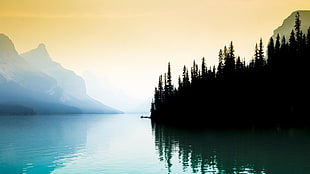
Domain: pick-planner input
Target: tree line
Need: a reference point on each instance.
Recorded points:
(268, 91)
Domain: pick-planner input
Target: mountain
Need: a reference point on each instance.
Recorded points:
(34, 83)
(67, 80)
(73, 86)
(288, 24)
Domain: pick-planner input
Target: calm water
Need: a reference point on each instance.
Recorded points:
(127, 144)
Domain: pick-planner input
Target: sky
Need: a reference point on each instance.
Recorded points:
(128, 44)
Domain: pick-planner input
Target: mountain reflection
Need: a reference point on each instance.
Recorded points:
(251, 152)
(40, 144)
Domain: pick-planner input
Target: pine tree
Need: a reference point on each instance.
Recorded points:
(256, 57)
(180, 83)
(259, 56)
(169, 86)
(165, 87)
(185, 76)
(214, 72)
(283, 47)
(160, 89)
(239, 66)
(270, 53)
(292, 42)
(278, 44)
(158, 96)
(203, 69)
(153, 105)
(194, 72)
(231, 51)
(261, 51)
(298, 31)
(229, 64)
(220, 67)
(284, 54)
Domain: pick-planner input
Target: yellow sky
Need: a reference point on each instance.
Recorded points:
(129, 42)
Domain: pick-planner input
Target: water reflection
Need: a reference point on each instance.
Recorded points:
(39, 144)
(248, 152)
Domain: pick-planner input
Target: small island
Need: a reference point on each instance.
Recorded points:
(268, 92)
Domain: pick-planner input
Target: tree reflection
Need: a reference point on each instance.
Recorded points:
(249, 152)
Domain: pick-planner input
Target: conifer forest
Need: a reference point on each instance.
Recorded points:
(271, 90)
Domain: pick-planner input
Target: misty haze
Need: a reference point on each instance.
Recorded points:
(154, 87)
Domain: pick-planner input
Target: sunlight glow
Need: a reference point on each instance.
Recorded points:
(130, 42)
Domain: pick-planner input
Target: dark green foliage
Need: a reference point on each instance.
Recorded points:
(263, 93)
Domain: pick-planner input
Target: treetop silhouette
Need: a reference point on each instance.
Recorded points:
(268, 91)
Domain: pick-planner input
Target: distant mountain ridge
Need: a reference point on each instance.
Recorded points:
(288, 24)
(33, 83)
(68, 81)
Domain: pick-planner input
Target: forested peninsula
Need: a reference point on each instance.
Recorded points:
(271, 90)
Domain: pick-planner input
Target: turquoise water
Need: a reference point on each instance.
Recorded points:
(127, 144)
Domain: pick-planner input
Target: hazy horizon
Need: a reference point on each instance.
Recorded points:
(130, 43)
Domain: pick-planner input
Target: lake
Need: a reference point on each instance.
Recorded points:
(127, 144)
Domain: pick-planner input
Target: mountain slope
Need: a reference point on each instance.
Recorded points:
(36, 83)
(67, 80)
(288, 24)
